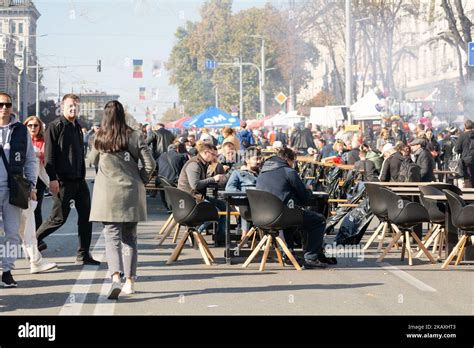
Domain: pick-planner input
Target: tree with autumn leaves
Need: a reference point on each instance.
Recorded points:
(223, 36)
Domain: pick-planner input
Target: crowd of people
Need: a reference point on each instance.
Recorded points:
(196, 161)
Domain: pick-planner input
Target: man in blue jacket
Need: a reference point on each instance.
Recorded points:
(279, 178)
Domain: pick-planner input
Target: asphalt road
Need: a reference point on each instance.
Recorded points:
(189, 287)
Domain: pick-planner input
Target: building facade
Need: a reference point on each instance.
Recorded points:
(93, 103)
(9, 72)
(18, 22)
(427, 68)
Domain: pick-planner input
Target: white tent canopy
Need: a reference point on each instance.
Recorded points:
(365, 108)
(284, 120)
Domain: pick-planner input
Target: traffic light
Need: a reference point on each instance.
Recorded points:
(99, 65)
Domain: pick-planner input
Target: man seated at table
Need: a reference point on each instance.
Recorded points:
(194, 179)
(279, 178)
(246, 177)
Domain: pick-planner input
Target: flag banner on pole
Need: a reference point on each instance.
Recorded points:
(157, 67)
(154, 93)
(142, 93)
(138, 68)
(148, 115)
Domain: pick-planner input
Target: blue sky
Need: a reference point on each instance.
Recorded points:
(116, 31)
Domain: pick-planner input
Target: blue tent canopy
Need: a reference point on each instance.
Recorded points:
(213, 118)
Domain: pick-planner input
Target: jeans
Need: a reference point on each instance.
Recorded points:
(221, 206)
(121, 247)
(70, 191)
(11, 216)
(40, 187)
(313, 228)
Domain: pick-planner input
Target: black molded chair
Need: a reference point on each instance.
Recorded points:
(271, 215)
(378, 206)
(187, 212)
(170, 223)
(405, 215)
(437, 213)
(462, 217)
(444, 186)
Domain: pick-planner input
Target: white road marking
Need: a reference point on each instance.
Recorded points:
(407, 277)
(79, 291)
(72, 234)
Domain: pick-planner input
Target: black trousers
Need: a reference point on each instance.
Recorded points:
(40, 187)
(70, 192)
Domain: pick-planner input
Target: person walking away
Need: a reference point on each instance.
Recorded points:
(119, 198)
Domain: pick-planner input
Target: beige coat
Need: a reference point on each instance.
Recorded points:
(119, 189)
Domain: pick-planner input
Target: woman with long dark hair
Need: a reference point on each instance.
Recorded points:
(119, 198)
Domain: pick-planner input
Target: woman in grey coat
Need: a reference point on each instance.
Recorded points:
(119, 198)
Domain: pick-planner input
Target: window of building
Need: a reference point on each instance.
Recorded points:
(20, 28)
(13, 28)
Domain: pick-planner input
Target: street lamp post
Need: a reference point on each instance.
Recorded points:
(348, 59)
(262, 71)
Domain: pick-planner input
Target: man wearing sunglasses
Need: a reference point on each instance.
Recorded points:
(21, 158)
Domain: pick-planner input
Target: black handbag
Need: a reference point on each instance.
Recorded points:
(19, 186)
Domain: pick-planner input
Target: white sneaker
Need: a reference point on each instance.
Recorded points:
(42, 266)
(114, 291)
(128, 288)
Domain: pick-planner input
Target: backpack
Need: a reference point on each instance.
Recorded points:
(354, 224)
(409, 172)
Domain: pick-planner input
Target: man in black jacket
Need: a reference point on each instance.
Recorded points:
(465, 146)
(305, 139)
(65, 165)
(392, 163)
(160, 140)
(279, 178)
(423, 159)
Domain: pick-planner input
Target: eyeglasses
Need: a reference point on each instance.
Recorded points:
(7, 105)
(33, 125)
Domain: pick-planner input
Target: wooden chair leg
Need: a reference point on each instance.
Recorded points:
(381, 241)
(454, 252)
(206, 248)
(374, 235)
(254, 240)
(404, 247)
(177, 251)
(167, 232)
(268, 245)
(444, 244)
(427, 242)
(422, 247)
(390, 246)
(462, 249)
(201, 248)
(278, 252)
(246, 238)
(165, 226)
(255, 252)
(288, 253)
(408, 246)
(430, 232)
(176, 233)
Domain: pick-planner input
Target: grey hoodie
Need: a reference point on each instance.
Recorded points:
(31, 165)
